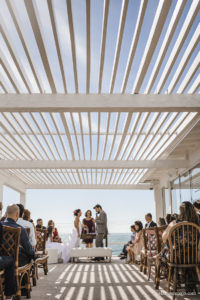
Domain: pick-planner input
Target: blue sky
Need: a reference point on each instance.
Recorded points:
(122, 206)
(79, 19)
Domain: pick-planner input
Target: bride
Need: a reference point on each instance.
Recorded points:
(74, 237)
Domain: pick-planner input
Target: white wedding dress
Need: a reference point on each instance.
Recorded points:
(73, 242)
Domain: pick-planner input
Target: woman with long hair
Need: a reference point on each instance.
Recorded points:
(51, 244)
(186, 214)
(55, 234)
(136, 247)
(78, 226)
(75, 235)
(89, 228)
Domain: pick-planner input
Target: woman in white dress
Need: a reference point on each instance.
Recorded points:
(78, 226)
(74, 237)
(54, 245)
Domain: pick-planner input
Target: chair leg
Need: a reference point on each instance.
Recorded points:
(145, 265)
(149, 270)
(141, 262)
(198, 272)
(175, 280)
(1, 290)
(169, 278)
(34, 279)
(45, 267)
(155, 274)
(36, 271)
(158, 276)
(28, 285)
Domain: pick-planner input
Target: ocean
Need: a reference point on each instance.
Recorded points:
(115, 241)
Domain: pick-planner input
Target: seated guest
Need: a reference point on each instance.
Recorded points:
(55, 235)
(186, 213)
(136, 247)
(1, 208)
(150, 222)
(124, 251)
(26, 251)
(27, 215)
(7, 263)
(54, 245)
(197, 207)
(40, 224)
(161, 222)
(170, 217)
(26, 224)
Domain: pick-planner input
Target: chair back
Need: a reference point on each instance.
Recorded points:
(41, 237)
(151, 239)
(10, 243)
(184, 243)
(150, 242)
(159, 233)
(28, 231)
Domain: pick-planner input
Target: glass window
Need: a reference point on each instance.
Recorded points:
(185, 188)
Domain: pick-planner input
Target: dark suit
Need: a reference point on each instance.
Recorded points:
(7, 263)
(26, 251)
(152, 224)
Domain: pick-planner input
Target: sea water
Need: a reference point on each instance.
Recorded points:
(115, 241)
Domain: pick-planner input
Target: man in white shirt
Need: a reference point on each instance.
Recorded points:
(26, 224)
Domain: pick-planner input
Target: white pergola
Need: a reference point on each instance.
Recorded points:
(84, 107)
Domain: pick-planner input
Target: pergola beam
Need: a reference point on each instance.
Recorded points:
(13, 182)
(87, 164)
(99, 103)
(91, 186)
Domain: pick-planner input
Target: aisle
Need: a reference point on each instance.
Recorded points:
(97, 281)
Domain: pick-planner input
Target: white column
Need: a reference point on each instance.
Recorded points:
(23, 198)
(170, 197)
(1, 198)
(159, 201)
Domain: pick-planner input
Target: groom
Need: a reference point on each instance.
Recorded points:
(101, 226)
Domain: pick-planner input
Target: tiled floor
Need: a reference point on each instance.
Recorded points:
(98, 281)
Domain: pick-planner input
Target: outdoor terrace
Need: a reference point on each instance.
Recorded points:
(99, 281)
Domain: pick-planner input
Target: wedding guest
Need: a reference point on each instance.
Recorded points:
(137, 245)
(150, 222)
(197, 207)
(54, 245)
(26, 224)
(27, 215)
(161, 221)
(7, 264)
(78, 226)
(124, 252)
(26, 251)
(170, 217)
(4, 216)
(56, 237)
(40, 224)
(89, 227)
(186, 213)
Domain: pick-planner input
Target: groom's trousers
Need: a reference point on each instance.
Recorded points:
(99, 239)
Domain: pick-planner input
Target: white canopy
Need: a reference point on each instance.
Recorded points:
(98, 94)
